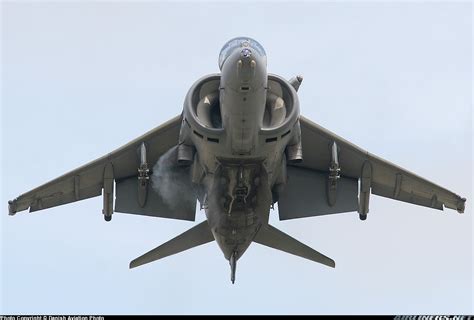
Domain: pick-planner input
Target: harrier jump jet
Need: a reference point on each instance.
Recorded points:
(239, 146)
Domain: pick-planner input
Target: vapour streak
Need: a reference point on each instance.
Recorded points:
(171, 181)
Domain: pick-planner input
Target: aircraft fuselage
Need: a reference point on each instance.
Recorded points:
(236, 128)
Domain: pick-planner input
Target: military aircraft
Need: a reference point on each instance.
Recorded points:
(239, 146)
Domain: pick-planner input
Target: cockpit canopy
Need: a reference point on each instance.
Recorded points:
(251, 46)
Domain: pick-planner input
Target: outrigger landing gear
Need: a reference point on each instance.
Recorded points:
(233, 266)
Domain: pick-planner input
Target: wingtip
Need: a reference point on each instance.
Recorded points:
(11, 207)
(461, 205)
(330, 263)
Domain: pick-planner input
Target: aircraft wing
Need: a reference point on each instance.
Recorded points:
(375, 174)
(89, 180)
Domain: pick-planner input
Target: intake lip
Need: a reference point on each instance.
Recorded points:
(201, 88)
(293, 107)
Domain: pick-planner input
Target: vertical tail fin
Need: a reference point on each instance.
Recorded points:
(272, 237)
(194, 237)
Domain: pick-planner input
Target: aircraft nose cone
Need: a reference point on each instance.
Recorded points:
(246, 53)
(246, 65)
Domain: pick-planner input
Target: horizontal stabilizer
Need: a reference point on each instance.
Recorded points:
(196, 236)
(272, 237)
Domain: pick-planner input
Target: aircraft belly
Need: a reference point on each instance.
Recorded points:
(243, 138)
(235, 232)
(237, 203)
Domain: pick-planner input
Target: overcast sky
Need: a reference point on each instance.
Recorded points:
(81, 79)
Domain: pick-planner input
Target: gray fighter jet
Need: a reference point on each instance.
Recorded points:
(239, 146)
